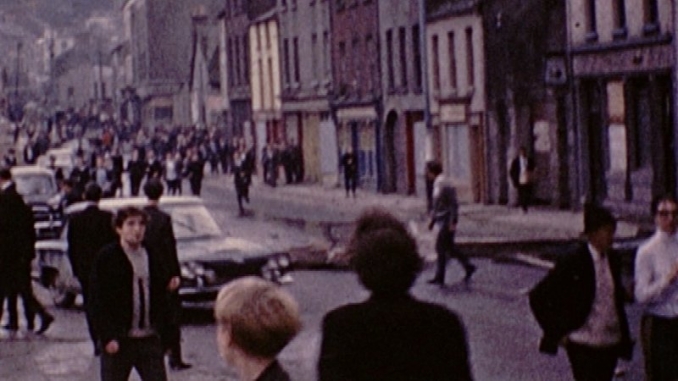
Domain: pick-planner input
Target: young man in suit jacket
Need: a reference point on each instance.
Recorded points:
(580, 303)
(129, 302)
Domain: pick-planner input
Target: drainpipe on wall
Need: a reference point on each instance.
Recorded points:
(675, 93)
(576, 197)
(424, 73)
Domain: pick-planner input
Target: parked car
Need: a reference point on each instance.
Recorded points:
(208, 259)
(37, 186)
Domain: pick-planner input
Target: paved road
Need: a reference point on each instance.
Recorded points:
(502, 334)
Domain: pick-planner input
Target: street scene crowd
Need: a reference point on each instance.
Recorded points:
(126, 263)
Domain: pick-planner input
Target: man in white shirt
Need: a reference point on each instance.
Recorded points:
(656, 286)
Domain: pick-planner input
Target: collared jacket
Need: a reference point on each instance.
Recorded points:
(561, 302)
(111, 304)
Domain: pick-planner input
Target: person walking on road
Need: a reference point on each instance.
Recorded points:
(256, 319)
(195, 170)
(130, 305)
(580, 303)
(656, 286)
(89, 231)
(349, 161)
(522, 168)
(392, 335)
(17, 241)
(137, 170)
(160, 235)
(446, 214)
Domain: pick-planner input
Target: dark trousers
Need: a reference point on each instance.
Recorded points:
(174, 187)
(196, 185)
(350, 182)
(21, 287)
(524, 195)
(145, 355)
(445, 248)
(663, 348)
(85, 290)
(243, 193)
(592, 364)
(174, 335)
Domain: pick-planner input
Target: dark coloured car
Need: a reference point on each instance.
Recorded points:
(208, 259)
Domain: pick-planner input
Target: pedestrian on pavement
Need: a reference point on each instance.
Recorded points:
(521, 171)
(391, 335)
(17, 242)
(446, 215)
(256, 319)
(80, 174)
(160, 236)
(89, 231)
(129, 305)
(656, 286)
(349, 162)
(581, 303)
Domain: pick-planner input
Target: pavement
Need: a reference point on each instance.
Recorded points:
(483, 230)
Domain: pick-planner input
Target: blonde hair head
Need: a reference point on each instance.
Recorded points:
(261, 317)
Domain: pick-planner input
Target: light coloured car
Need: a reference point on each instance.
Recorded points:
(208, 259)
(64, 158)
(38, 187)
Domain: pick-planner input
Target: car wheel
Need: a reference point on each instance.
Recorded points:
(58, 290)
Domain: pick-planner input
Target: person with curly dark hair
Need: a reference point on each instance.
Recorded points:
(391, 335)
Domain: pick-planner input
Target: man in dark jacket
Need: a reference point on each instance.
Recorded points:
(520, 172)
(17, 240)
(160, 236)
(129, 305)
(581, 303)
(88, 232)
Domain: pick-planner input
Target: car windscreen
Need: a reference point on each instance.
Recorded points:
(35, 185)
(192, 221)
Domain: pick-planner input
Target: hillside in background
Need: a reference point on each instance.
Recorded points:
(56, 13)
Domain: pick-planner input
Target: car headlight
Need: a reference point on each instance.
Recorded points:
(284, 261)
(192, 270)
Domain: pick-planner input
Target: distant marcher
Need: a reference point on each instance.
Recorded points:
(58, 172)
(17, 241)
(80, 174)
(392, 335)
(160, 236)
(172, 170)
(10, 158)
(195, 172)
(136, 168)
(269, 163)
(446, 215)
(153, 166)
(256, 319)
(129, 305)
(581, 303)
(89, 231)
(118, 167)
(30, 154)
(349, 161)
(242, 181)
(656, 286)
(521, 171)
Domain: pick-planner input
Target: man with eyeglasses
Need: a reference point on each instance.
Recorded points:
(656, 286)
